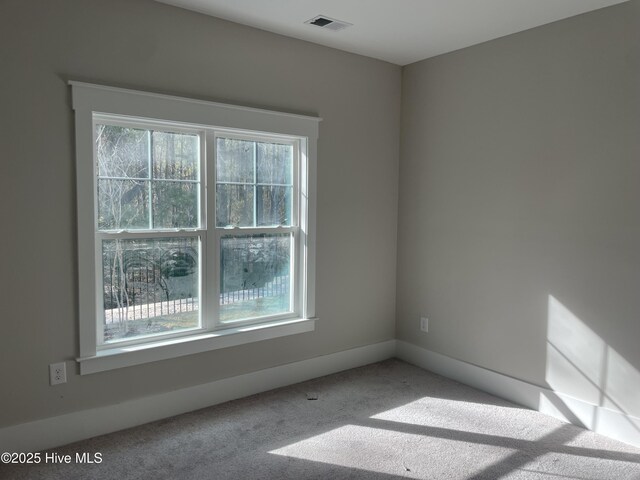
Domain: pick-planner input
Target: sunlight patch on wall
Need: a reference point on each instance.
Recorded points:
(575, 355)
(582, 367)
(623, 385)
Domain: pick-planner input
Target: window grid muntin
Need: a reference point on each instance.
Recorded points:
(152, 125)
(260, 137)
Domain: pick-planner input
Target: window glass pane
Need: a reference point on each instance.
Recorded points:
(274, 205)
(234, 205)
(176, 156)
(150, 287)
(275, 163)
(175, 204)
(234, 160)
(122, 152)
(254, 276)
(123, 204)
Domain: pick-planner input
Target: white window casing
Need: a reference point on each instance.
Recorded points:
(209, 120)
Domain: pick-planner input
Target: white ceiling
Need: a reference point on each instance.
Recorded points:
(398, 31)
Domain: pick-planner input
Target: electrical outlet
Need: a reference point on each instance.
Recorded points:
(58, 373)
(424, 324)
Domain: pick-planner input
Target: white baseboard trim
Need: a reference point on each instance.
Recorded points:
(613, 424)
(72, 427)
(61, 430)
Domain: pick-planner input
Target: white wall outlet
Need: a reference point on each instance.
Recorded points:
(58, 373)
(424, 324)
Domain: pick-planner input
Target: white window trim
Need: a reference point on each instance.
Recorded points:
(89, 99)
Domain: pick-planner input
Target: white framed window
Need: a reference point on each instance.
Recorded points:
(196, 225)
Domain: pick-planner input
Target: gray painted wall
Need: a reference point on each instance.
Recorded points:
(146, 45)
(519, 207)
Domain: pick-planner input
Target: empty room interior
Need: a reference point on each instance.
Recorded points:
(330, 239)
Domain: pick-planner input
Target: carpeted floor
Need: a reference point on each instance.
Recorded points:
(383, 421)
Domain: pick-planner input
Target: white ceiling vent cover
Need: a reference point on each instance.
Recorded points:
(328, 23)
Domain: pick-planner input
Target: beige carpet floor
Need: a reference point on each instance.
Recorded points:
(384, 421)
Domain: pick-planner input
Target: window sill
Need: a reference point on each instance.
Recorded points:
(176, 347)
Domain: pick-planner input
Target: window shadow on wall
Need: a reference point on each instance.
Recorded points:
(581, 365)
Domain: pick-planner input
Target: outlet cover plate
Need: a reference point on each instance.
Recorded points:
(57, 373)
(424, 324)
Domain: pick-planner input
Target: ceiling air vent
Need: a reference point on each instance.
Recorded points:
(328, 23)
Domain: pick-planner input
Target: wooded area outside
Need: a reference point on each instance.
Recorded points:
(150, 180)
